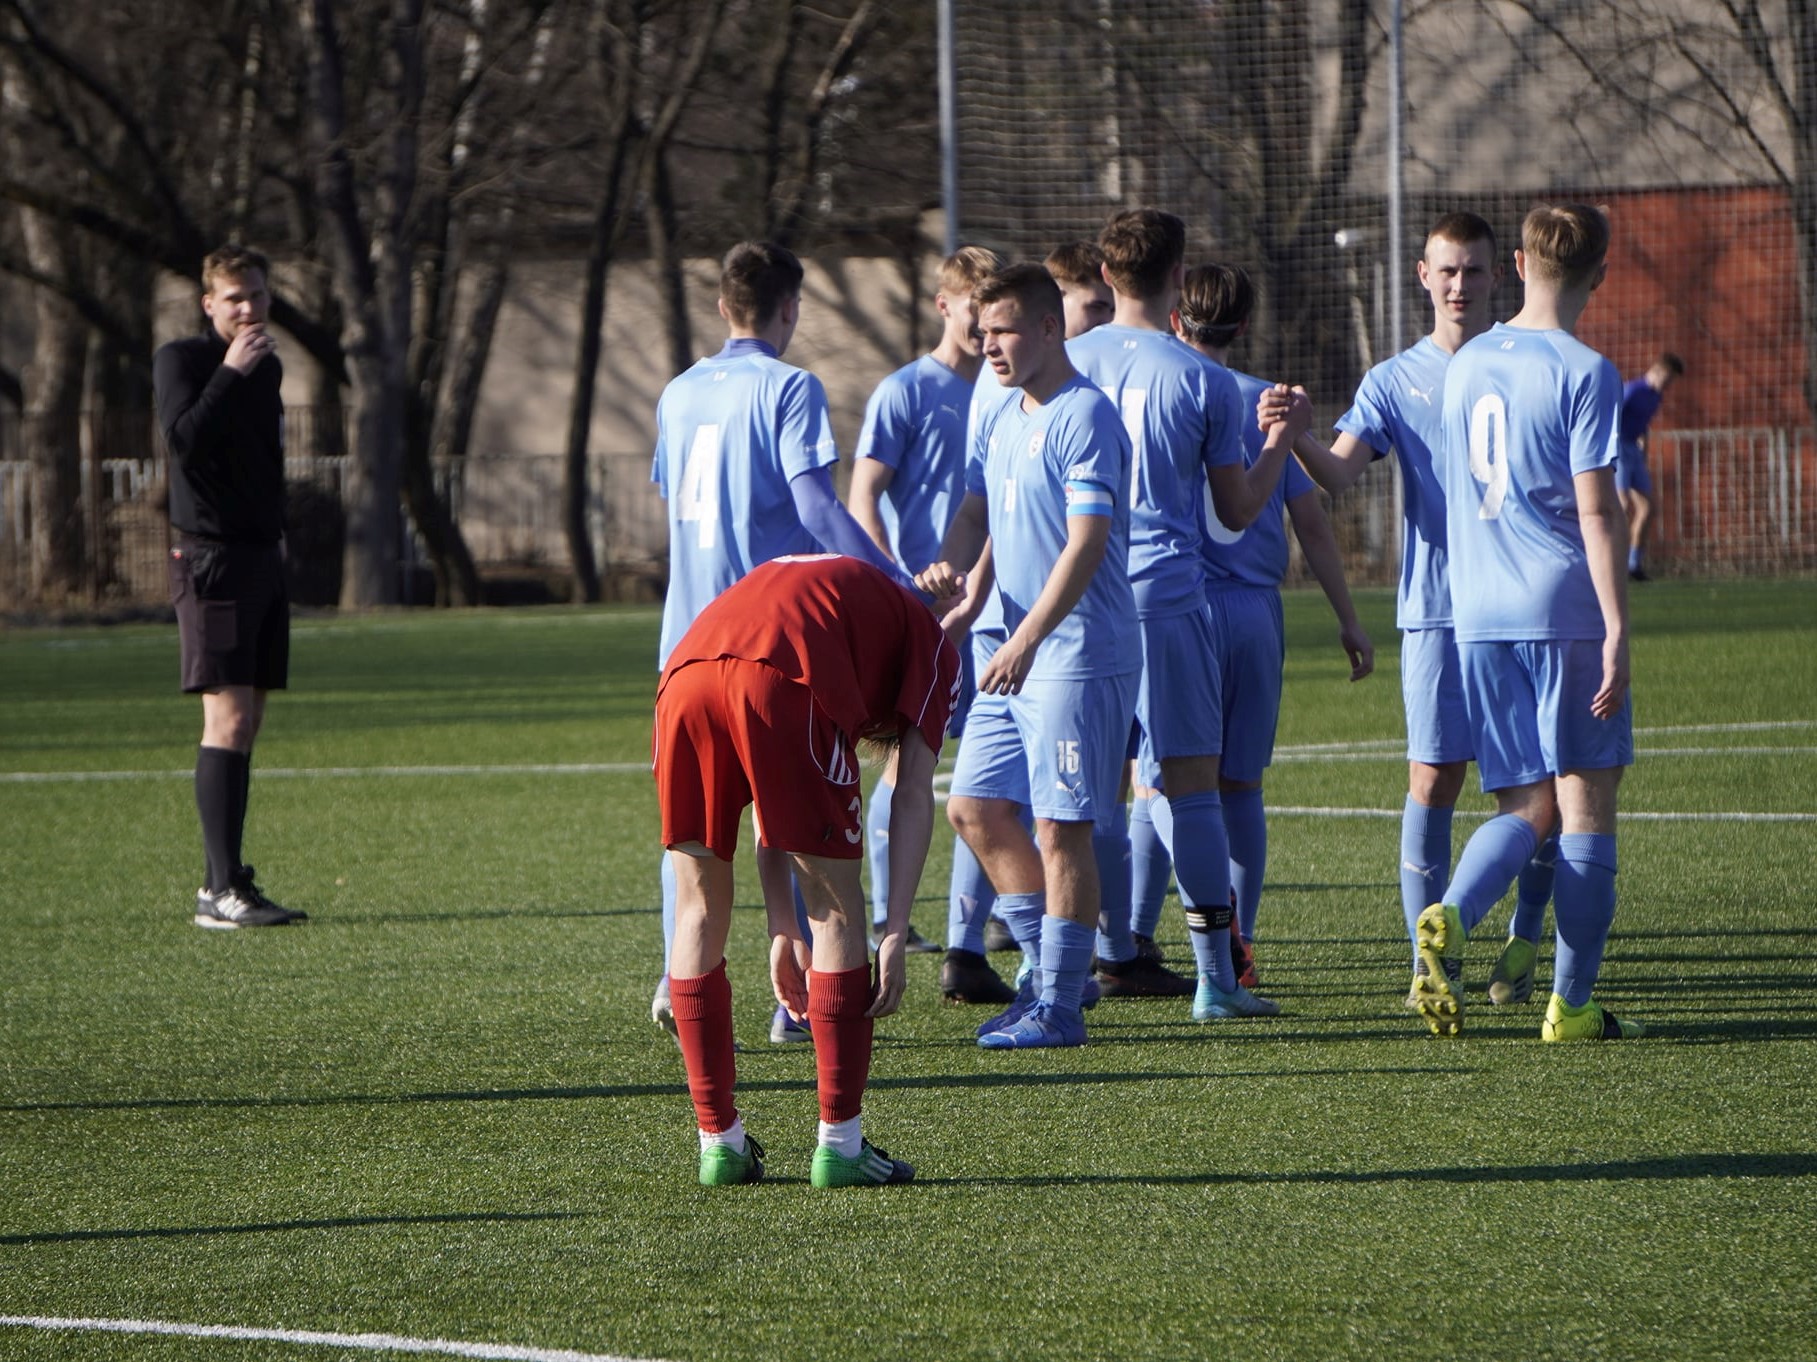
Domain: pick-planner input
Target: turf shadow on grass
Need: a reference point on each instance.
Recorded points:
(285, 1226)
(666, 1091)
(1683, 1167)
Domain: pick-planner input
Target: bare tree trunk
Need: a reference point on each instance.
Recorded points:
(372, 279)
(52, 436)
(454, 423)
(665, 259)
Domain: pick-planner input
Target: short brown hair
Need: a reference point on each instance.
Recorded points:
(1141, 249)
(1075, 263)
(1463, 227)
(1215, 301)
(1030, 287)
(1564, 243)
(1668, 360)
(232, 261)
(968, 267)
(755, 278)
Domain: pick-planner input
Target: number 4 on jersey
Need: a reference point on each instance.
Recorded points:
(697, 499)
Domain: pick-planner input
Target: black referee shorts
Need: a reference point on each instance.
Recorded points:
(233, 614)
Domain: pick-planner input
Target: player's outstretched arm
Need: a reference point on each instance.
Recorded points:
(823, 517)
(979, 583)
(911, 833)
(1239, 494)
(962, 548)
(1087, 539)
(1313, 530)
(1337, 468)
(871, 478)
(1605, 531)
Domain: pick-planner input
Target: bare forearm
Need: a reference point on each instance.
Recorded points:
(1331, 469)
(1066, 584)
(1324, 561)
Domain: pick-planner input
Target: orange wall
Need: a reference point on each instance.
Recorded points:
(1711, 275)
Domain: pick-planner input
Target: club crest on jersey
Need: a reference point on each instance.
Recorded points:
(1034, 443)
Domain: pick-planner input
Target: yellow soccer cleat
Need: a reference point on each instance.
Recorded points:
(1511, 981)
(1439, 937)
(1589, 1022)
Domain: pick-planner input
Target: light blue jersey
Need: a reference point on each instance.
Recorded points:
(987, 394)
(1184, 416)
(1397, 406)
(1256, 556)
(1069, 456)
(731, 433)
(1525, 412)
(915, 423)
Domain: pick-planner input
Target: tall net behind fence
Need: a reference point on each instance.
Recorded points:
(1267, 127)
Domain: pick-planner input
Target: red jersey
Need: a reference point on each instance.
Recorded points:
(873, 656)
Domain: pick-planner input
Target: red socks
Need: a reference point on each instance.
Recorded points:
(703, 1025)
(842, 1039)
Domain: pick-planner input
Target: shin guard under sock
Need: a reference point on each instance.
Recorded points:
(703, 1026)
(837, 1003)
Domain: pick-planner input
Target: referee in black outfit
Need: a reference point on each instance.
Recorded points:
(223, 422)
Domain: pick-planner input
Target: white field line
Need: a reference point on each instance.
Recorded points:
(372, 1343)
(1315, 811)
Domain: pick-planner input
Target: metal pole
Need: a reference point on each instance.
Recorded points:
(949, 126)
(1397, 226)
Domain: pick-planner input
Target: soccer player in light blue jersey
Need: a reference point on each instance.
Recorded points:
(1397, 407)
(1047, 483)
(988, 794)
(744, 443)
(908, 478)
(1243, 573)
(1185, 419)
(1539, 599)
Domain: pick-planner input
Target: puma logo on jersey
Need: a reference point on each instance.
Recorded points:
(1425, 396)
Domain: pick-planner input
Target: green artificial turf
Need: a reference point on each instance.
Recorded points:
(440, 1110)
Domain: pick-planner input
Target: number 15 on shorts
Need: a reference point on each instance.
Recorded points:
(1066, 756)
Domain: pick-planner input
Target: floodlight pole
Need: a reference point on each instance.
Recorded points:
(1397, 225)
(949, 126)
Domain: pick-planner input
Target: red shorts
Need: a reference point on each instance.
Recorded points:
(731, 733)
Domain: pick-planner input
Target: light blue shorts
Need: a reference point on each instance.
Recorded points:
(1432, 691)
(1251, 645)
(991, 763)
(1530, 711)
(1180, 702)
(1074, 733)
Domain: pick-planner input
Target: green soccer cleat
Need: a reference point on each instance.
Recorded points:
(872, 1168)
(1589, 1022)
(1440, 990)
(723, 1166)
(1511, 981)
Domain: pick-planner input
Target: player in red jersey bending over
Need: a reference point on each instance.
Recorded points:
(764, 701)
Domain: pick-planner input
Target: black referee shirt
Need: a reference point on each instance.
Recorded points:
(225, 433)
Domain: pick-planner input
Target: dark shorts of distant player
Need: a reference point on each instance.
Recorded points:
(1631, 468)
(731, 733)
(233, 614)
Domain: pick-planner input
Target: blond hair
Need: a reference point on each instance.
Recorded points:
(968, 267)
(1564, 243)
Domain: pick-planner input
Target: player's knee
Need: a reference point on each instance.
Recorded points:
(1436, 786)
